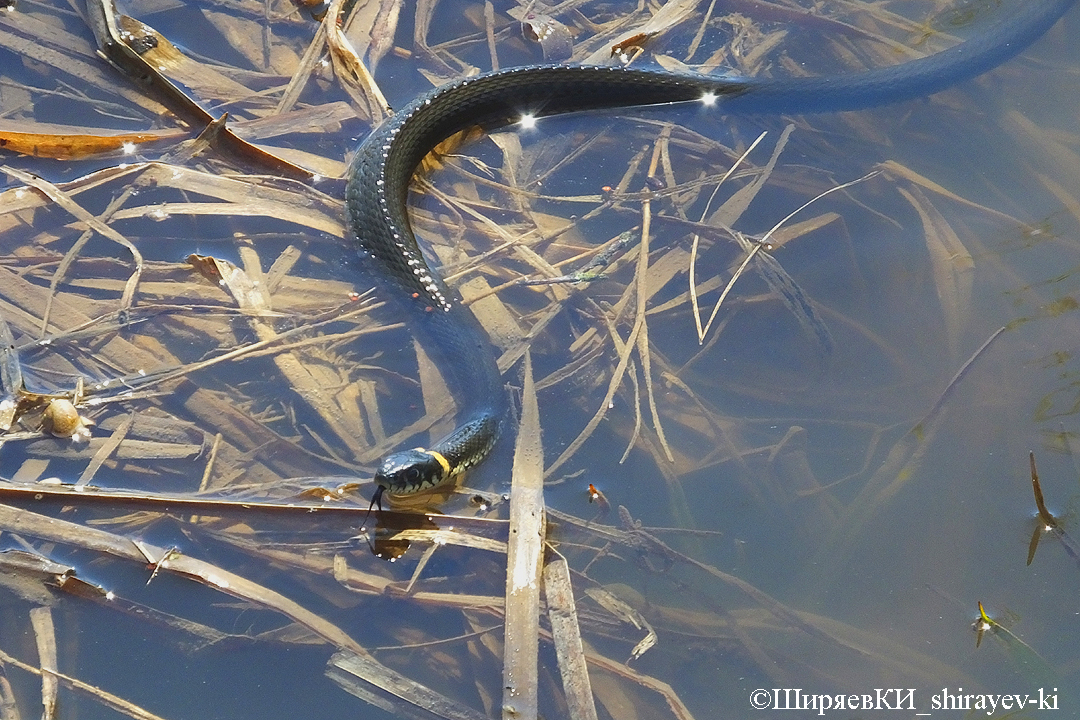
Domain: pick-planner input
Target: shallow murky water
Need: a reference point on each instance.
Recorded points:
(827, 484)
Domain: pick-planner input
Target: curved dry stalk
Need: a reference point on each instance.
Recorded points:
(754, 247)
(106, 698)
(80, 213)
(697, 239)
(350, 69)
(641, 294)
(732, 208)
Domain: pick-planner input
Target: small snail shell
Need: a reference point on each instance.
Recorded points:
(62, 420)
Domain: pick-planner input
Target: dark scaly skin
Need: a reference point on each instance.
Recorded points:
(378, 184)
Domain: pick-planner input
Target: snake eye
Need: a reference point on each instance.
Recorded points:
(413, 474)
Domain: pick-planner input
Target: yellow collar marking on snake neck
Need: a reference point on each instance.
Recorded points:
(439, 457)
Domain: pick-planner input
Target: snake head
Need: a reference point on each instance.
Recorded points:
(410, 471)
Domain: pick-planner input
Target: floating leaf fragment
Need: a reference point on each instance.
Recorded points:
(73, 146)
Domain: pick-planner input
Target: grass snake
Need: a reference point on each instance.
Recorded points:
(381, 170)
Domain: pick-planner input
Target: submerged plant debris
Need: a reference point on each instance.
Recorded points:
(198, 379)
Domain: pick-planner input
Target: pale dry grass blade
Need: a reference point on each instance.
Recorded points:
(524, 562)
(793, 297)
(562, 614)
(896, 170)
(489, 33)
(305, 69)
(774, 275)
(636, 432)
(251, 294)
(211, 458)
(734, 207)
(45, 636)
(105, 698)
(346, 668)
(11, 378)
(9, 708)
(313, 219)
(15, 200)
(729, 212)
(645, 353)
(621, 669)
(62, 199)
(703, 330)
(767, 238)
(105, 451)
(953, 266)
(247, 196)
(454, 537)
(704, 24)
(429, 552)
(692, 273)
(350, 69)
(68, 54)
(639, 293)
(46, 528)
(73, 253)
(643, 348)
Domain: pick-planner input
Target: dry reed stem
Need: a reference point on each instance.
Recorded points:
(524, 560)
(105, 698)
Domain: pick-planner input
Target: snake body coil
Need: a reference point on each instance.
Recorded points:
(383, 166)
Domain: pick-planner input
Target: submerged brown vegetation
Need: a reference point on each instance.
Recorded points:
(238, 406)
